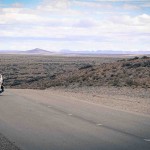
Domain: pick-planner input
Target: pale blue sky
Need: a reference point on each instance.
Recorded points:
(75, 24)
(27, 3)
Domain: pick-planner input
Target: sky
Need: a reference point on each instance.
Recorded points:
(78, 25)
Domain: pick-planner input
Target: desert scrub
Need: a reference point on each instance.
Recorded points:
(47, 71)
(85, 66)
(131, 82)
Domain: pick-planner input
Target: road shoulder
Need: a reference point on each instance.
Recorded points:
(103, 97)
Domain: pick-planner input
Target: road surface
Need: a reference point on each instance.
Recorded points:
(64, 124)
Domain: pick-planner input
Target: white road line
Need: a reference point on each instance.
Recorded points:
(147, 140)
(99, 124)
(70, 114)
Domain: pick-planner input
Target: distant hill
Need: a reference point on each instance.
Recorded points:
(36, 51)
(103, 52)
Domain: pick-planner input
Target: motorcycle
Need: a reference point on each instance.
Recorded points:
(2, 89)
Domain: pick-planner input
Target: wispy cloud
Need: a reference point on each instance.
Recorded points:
(17, 5)
(74, 24)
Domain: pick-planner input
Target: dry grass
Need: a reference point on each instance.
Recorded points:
(23, 71)
(130, 72)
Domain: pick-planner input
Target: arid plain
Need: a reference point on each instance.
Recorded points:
(119, 81)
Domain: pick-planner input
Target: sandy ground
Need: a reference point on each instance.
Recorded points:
(126, 99)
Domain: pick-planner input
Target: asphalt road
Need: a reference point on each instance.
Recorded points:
(68, 125)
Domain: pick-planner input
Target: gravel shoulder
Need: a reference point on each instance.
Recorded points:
(5, 144)
(126, 99)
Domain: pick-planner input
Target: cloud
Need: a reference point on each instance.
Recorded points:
(17, 5)
(59, 24)
(140, 20)
(54, 5)
(92, 4)
(146, 5)
(122, 0)
(16, 15)
(130, 7)
(22, 16)
(85, 23)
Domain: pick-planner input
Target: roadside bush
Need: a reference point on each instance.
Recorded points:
(115, 82)
(16, 82)
(128, 64)
(85, 66)
(135, 58)
(131, 82)
(144, 57)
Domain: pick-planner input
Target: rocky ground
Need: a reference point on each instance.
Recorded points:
(125, 99)
(5, 144)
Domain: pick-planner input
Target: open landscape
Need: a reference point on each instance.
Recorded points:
(40, 72)
(121, 82)
(58, 101)
(35, 71)
(74, 74)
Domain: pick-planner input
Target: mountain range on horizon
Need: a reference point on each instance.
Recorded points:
(38, 51)
(32, 52)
